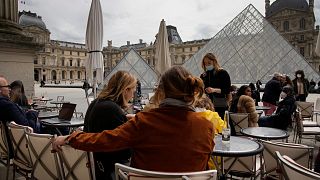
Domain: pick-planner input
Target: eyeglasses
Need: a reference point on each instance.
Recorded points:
(8, 86)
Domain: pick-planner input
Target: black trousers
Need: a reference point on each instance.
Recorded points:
(301, 97)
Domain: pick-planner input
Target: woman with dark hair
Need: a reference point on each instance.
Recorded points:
(243, 103)
(17, 94)
(282, 118)
(288, 81)
(107, 113)
(300, 86)
(171, 138)
(255, 94)
(217, 83)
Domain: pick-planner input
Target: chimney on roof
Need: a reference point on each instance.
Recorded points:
(109, 43)
(140, 41)
(128, 43)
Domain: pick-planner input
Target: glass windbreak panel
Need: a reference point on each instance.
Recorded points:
(249, 48)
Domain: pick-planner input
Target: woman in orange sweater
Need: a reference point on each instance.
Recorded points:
(171, 138)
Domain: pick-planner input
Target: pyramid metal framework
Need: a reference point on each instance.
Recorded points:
(136, 65)
(250, 49)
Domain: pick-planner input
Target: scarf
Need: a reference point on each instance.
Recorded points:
(175, 102)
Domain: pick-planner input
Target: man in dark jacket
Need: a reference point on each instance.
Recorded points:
(282, 118)
(10, 111)
(271, 93)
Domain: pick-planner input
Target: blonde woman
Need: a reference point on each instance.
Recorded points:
(107, 113)
(171, 138)
(217, 83)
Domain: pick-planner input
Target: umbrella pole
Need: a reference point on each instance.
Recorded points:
(95, 88)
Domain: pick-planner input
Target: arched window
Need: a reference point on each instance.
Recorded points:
(286, 25)
(71, 75)
(70, 62)
(63, 74)
(54, 75)
(302, 23)
(36, 75)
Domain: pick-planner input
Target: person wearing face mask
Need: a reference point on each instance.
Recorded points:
(300, 86)
(282, 118)
(217, 83)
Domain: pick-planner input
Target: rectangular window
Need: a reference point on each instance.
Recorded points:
(286, 25)
(302, 51)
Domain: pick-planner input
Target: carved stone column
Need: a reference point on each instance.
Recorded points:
(9, 17)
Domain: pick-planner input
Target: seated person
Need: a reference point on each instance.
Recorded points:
(205, 107)
(243, 103)
(12, 112)
(282, 119)
(17, 94)
(170, 138)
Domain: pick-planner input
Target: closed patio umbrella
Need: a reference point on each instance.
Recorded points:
(317, 50)
(162, 55)
(94, 39)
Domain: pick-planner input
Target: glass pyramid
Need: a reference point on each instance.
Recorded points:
(136, 65)
(250, 49)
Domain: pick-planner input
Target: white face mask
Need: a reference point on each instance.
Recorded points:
(283, 95)
(209, 67)
(298, 75)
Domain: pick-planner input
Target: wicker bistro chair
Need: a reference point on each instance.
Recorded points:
(124, 172)
(240, 121)
(317, 108)
(302, 131)
(44, 161)
(292, 170)
(306, 109)
(301, 153)
(21, 158)
(4, 148)
(76, 164)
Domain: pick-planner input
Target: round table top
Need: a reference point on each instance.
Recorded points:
(59, 102)
(237, 147)
(47, 115)
(55, 122)
(263, 108)
(265, 133)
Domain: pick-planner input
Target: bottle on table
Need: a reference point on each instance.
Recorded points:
(226, 132)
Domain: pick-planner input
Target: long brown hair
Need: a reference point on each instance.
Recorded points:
(178, 83)
(213, 58)
(116, 87)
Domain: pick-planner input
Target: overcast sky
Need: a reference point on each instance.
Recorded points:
(131, 20)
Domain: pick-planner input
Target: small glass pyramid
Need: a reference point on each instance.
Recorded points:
(136, 65)
(250, 49)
